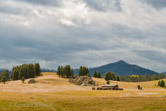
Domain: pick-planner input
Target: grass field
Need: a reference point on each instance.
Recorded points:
(52, 93)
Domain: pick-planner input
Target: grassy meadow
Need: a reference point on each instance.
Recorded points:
(69, 97)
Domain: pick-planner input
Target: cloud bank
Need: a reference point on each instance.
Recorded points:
(83, 32)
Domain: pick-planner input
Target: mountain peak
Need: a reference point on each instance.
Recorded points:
(122, 68)
(121, 61)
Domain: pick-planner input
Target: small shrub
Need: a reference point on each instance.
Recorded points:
(108, 82)
(161, 83)
(23, 79)
(139, 87)
(4, 79)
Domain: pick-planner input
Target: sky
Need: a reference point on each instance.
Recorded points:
(83, 32)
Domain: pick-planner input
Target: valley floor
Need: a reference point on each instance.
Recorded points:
(52, 93)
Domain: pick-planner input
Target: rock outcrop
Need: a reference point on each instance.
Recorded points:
(82, 81)
(31, 81)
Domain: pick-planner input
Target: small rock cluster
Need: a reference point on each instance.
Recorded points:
(31, 81)
(82, 81)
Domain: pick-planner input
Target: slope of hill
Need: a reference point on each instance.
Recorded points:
(164, 73)
(121, 68)
(52, 93)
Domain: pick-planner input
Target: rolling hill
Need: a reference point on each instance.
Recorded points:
(121, 68)
(164, 73)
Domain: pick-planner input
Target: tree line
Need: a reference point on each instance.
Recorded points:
(142, 78)
(111, 76)
(83, 71)
(97, 74)
(65, 71)
(25, 71)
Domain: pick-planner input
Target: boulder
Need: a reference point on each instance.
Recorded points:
(31, 81)
(82, 80)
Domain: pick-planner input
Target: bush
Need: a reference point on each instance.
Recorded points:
(161, 83)
(23, 79)
(139, 87)
(4, 79)
(108, 82)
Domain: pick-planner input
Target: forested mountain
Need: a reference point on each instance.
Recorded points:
(121, 68)
(164, 73)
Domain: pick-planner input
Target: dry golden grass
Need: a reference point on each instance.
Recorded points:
(52, 93)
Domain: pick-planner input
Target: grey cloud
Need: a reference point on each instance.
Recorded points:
(159, 4)
(43, 2)
(99, 42)
(152, 55)
(105, 5)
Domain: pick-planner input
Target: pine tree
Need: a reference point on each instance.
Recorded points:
(95, 74)
(83, 71)
(162, 83)
(80, 71)
(106, 77)
(98, 75)
(26, 71)
(67, 71)
(59, 70)
(72, 72)
(4, 79)
(159, 83)
(118, 78)
(62, 71)
(37, 69)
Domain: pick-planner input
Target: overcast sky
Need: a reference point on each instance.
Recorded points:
(83, 32)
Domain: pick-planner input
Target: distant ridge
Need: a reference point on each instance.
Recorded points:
(47, 70)
(164, 73)
(2, 70)
(121, 68)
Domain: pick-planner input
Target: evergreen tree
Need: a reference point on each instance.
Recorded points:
(83, 71)
(59, 70)
(95, 74)
(26, 71)
(80, 71)
(37, 69)
(4, 79)
(67, 71)
(118, 78)
(162, 83)
(72, 72)
(159, 83)
(106, 77)
(110, 76)
(62, 71)
(98, 75)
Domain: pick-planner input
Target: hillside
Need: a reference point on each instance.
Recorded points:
(51, 82)
(121, 68)
(52, 93)
(164, 73)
